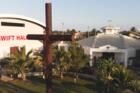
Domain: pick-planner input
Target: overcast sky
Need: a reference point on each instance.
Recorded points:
(78, 14)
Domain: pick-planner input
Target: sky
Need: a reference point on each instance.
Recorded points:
(81, 15)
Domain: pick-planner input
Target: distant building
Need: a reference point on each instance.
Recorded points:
(13, 32)
(111, 44)
(78, 35)
(63, 44)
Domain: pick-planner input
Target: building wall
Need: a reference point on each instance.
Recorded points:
(16, 36)
(120, 57)
(131, 52)
(86, 50)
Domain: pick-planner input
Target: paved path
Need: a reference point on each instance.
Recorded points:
(5, 78)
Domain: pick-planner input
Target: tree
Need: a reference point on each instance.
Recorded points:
(77, 58)
(112, 77)
(38, 60)
(21, 62)
(61, 60)
(93, 32)
(133, 29)
(71, 31)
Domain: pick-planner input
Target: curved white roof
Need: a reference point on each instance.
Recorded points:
(116, 40)
(14, 16)
(110, 27)
(110, 39)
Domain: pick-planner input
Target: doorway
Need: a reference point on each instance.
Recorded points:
(107, 55)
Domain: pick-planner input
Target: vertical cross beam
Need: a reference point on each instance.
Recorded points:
(48, 49)
(48, 39)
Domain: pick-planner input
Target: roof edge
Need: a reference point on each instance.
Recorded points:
(21, 17)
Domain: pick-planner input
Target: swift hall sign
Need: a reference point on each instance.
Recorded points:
(12, 37)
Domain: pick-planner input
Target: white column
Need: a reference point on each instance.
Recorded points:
(125, 58)
(91, 58)
(66, 48)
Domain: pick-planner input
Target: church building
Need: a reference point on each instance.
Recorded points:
(111, 45)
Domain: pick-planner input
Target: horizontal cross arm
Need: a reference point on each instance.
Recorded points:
(35, 37)
(61, 38)
(52, 38)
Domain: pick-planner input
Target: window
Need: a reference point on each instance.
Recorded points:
(12, 24)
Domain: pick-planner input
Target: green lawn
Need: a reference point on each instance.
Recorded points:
(36, 85)
(5, 89)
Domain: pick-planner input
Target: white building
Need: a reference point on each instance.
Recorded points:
(111, 44)
(13, 32)
(63, 44)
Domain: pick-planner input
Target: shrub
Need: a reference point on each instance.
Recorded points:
(112, 77)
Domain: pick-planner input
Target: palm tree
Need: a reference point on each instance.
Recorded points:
(61, 59)
(133, 29)
(21, 62)
(77, 58)
(38, 57)
(112, 77)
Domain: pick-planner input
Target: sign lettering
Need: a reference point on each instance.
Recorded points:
(12, 37)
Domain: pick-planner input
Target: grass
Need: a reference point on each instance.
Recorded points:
(68, 86)
(5, 89)
(37, 85)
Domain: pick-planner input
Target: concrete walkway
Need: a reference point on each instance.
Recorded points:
(5, 78)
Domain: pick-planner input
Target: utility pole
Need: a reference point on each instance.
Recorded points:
(88, 32)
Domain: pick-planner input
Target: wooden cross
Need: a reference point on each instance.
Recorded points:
(48, 38)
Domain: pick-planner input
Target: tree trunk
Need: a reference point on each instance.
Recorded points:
(61, 74)
(23, 76)
(76, 77)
